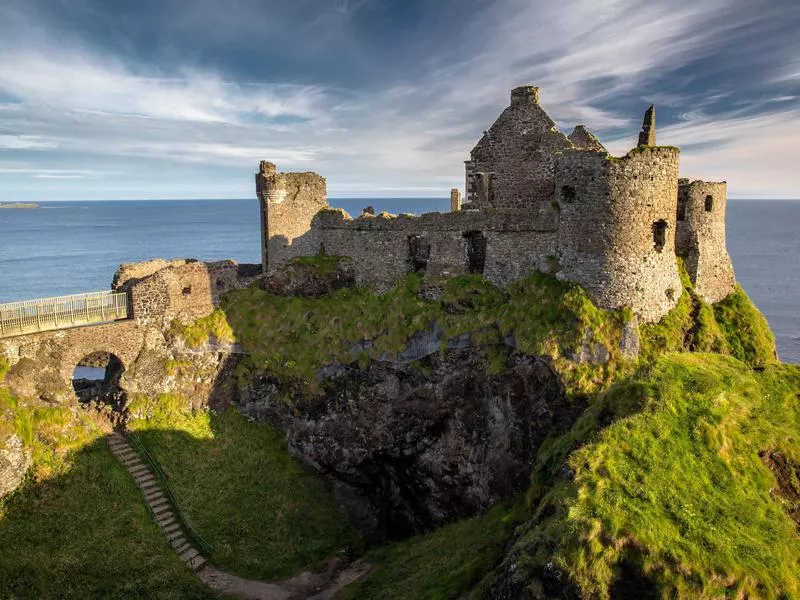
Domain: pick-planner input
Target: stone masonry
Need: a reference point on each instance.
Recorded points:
(161, 294)
(535, 199)
(700, 239)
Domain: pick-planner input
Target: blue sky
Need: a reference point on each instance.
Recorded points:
(107, 99)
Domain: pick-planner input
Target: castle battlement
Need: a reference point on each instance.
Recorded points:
(535, 199)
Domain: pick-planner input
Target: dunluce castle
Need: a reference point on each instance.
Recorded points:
(535, 199)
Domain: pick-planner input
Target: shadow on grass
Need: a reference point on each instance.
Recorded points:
(265, 515)
(86, 533)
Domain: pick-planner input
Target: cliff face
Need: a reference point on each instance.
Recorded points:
(412, 446)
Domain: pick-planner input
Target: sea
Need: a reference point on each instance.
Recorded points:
(75, 247)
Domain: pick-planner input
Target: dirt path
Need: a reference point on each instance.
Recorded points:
(306, 586)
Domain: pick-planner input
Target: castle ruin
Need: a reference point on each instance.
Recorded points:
(535, 198)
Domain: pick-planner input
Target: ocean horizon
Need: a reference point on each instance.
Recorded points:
(73, 246)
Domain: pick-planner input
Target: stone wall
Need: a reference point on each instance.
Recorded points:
(617, 231)
(517, 157)
(700, 239)
(288, 203)
(184, 290)
(42, 364)
(384, 248)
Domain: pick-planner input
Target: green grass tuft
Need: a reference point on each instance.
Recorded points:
(746, 330)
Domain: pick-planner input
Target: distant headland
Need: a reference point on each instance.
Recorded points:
(18, 205)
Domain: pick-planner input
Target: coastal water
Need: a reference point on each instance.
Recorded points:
(74, 247)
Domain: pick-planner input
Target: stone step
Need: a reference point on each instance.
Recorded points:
(197, 563)
(189, 554)
(160, 506)
(139, 470)
(127, 454)
(174, 535)
(162, 511)
(170, 526)
(144, 479)
(155, 496)
(181, 547)
(148, 486)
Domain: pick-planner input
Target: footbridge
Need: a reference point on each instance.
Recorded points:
(63, 312)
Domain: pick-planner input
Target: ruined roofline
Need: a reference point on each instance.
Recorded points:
(686, 182)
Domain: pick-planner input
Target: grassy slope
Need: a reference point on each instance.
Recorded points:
(264, 514)
(673, 492)
(83, 531)
(443, 564)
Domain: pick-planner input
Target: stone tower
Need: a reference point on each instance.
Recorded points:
(700, 240)
(288, 203)
(617, 227)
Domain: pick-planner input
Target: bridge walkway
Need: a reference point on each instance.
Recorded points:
(63, 312)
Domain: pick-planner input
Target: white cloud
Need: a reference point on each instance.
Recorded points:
(25, 142)
(413, 135)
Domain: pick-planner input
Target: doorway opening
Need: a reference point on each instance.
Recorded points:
(476, 251)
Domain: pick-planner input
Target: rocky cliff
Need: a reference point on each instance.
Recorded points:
(412, 446)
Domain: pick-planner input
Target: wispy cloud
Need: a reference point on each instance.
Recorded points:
(187, 121)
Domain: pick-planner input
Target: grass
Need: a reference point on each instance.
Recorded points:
(746, 330)
(264, 514)
(78, 528)
(291, 338)
(667, 489)
(440, 565)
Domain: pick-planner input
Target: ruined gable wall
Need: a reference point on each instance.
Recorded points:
(609, 208)
(700, 239)
(289, 202)
(519, 151)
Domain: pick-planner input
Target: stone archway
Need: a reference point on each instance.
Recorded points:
(96, 378)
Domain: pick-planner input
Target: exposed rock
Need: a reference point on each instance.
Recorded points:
(15, 461)
(416, 445)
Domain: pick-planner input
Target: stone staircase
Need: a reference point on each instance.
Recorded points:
(160, 506)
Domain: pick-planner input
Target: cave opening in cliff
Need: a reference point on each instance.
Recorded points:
(96, 379)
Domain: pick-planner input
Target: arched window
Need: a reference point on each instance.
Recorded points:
(659, 235)
(709, 203)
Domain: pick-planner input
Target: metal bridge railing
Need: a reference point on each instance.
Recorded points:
(47, 314)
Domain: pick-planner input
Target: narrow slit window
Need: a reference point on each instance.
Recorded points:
(659, 235)
(682, 209)
(568, 193)
(709, 203)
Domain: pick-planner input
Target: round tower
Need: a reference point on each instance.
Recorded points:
(700, 240)
(617, 227)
